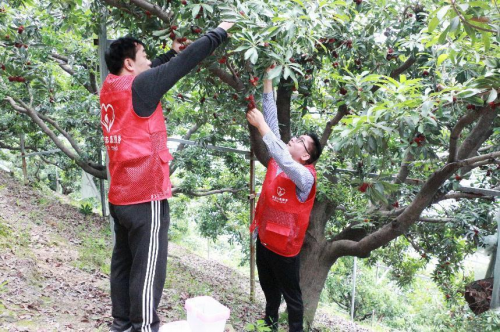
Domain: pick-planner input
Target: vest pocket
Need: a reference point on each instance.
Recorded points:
(276, 236)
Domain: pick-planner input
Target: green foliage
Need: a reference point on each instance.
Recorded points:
(86, 208)
(330, 56)
(259, 326)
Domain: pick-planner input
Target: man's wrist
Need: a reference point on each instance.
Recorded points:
(264, 129)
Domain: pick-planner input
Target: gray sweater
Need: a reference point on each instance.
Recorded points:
(297, 172)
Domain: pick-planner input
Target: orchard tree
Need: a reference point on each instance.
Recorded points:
(405, 97)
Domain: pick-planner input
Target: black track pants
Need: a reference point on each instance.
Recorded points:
(139, 264)
(279, 275)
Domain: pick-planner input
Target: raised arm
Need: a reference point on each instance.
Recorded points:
(269, 107)
(150, 86)
(278, 150)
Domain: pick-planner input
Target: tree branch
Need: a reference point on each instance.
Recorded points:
(182, 146)
(455, 195)
(204, 192)
(436, 220)
(154, 9)
(455, 133)
(120, 5)
(398, 71)
(478, 135)
(464, 21)
(63, 64)
(39, 122)
(404, 169)
(227, 78)
(342, 111)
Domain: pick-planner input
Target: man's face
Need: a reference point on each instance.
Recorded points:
(299, 148)
(141, 62)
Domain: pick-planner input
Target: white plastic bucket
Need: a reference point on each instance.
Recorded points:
(205, 314)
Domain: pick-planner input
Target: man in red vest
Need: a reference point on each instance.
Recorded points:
(136, 141)
(282, 213)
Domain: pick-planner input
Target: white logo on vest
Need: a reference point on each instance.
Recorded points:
(278, 199)
(107, 118)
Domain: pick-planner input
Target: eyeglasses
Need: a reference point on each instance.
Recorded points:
(301, 140)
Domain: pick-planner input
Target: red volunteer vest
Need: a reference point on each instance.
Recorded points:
(282, 219)
(137, 147)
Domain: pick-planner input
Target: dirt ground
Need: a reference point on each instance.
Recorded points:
(43, 287)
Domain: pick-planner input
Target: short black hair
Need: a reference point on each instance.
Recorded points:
(316, 150)
(118, 51)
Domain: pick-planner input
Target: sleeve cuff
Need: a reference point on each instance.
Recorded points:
(221, 32)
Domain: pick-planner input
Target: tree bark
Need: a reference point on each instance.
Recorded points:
(315, 262)
(283, 102)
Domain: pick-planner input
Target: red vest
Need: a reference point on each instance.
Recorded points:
(137, 147)
(282, 219)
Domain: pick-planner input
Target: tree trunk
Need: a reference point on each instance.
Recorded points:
(315, 258)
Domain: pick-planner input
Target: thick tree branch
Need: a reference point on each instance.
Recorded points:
(154, 10)
(464, 20)
(258, 146)
(478, 135)
(121, 5)
(283, 103)
(404, 169)
(455, 195)
(457, 130)
(63, 64)
(342, 111)
(25, 109)
(398, 71)
(227, 78)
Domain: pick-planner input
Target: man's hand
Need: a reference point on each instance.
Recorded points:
(256, 119)
(176, 44)
(226, 25)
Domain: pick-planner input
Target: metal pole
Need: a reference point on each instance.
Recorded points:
(101, 187)
(25, 170)
(103, 69)
(353, 287)
(252, 215)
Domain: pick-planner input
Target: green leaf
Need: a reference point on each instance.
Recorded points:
(433, 24)
(442, 12)
(486, 40)
(196, 10)
(208, 8)
(241, 48)
(286, 73)
(441, 58)
(158, 33)
(492, 63)
(442, 36)
(454, 24)
(275, 72)
(492, 96)
(470, 32)
(252, 55)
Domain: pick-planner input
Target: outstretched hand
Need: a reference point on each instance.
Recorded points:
(226, 25)
(256, 119)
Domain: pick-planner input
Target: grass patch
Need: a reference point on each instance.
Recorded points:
(94, 253)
